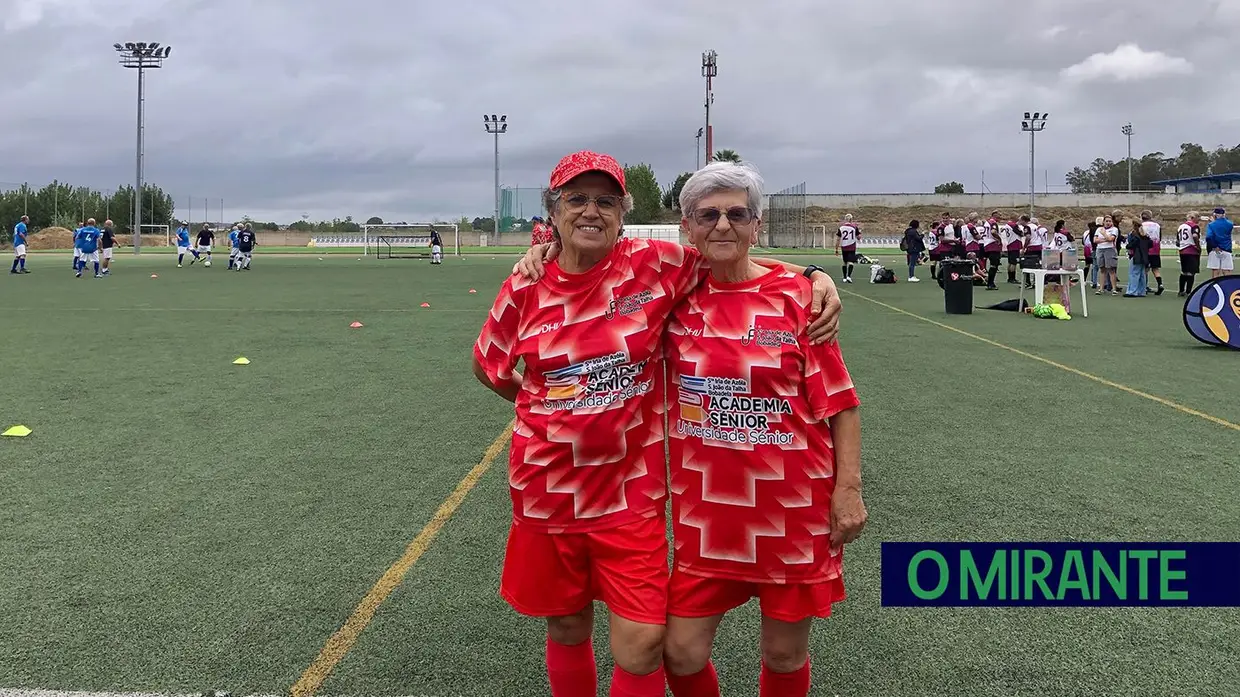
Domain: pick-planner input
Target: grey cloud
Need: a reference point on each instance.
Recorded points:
(365, 107)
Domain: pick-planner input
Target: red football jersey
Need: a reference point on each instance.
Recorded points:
(542, 234)
(587, 450)
(751, 453)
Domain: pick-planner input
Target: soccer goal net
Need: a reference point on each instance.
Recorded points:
(409, 240)
(163, 232)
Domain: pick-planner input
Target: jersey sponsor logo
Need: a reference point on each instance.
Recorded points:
(1212, 312)
(598, 382)
(769, 338)
(722, 410)
(627, 304)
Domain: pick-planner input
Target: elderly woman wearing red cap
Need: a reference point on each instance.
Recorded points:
(586, 464)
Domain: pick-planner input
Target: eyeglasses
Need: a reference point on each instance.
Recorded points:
(737, 215)
(607, 203)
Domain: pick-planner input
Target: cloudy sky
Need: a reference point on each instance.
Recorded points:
(373, 107)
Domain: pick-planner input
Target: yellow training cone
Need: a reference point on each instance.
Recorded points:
(242, 361)
(17, 432)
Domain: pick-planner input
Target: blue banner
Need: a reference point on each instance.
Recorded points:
(1063, 574)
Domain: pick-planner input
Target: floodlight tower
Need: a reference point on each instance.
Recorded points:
(496, 126)
(1127, 130)
(1032, 124)
(710, 68)
(699, 148)
(140, 55)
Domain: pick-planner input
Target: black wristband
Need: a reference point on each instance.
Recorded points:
(809, 270)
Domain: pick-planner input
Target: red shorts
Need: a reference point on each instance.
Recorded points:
(697, 596)
(548, 575)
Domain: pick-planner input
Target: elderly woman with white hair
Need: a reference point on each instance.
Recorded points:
(586, 465)
(765, 449)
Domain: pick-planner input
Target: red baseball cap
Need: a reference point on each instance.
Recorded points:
(578, 163)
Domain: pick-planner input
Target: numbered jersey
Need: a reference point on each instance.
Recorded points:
(848, 236)
(1187, 239)
(1007, 235)
(988, 240)
(968, 235)
(1037, 237)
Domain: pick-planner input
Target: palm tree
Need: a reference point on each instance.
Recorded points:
(726, 155)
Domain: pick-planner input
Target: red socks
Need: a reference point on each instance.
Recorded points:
(794, 684)
(704, 683)
(571, 669)
(625, 684)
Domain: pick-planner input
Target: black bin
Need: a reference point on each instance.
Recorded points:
(957, 275)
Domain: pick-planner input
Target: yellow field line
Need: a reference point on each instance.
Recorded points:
(1067, 368)
(343, 640)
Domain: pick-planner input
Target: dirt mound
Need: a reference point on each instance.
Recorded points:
(50, 238)
(60, 238)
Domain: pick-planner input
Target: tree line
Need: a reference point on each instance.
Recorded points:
(63, 205)
(1192, 161)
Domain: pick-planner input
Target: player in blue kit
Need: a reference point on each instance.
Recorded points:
(19, 246)
(232, 247)
(183, 247)
(77, 249)
(87, 241)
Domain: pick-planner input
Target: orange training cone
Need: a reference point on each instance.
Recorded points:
(426, 304)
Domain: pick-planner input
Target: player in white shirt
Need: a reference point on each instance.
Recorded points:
(932, 250)
(969, 234)
(846, 244)
(77, 253)
(947, 232)
(1061, 239)
(1188, 242)
(1153, 231)
(958, 249)
(1105, 241)
(1035, 241)
(992, 252)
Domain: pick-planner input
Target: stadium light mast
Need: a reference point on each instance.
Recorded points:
(496, 126)
(699, 149)
(1032, 124)
(1127, 130)
(140, 55)
(710, 68)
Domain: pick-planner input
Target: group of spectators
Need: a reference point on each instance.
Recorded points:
(984, 241)
(1023, 239)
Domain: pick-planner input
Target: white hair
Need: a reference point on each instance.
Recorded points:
(848, 217)
(723, 176)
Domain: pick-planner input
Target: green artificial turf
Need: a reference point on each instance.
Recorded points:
(178, 523)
